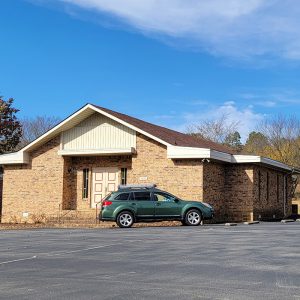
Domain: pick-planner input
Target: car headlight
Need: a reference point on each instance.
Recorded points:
(207, 205)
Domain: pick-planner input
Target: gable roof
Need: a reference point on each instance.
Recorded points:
(161, 134)
(171, 137)
(179, 145)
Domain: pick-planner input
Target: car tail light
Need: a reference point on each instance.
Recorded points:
(106, 203)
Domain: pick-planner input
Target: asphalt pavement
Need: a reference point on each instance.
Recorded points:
(259, 261)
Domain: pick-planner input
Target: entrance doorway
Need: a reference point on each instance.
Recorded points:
(105, 181)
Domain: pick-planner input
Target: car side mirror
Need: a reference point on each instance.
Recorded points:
(176, 200)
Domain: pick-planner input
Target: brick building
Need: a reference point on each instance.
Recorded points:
(74, 165)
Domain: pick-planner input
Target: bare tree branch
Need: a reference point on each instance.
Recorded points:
(215, 130)
(35, 127)
(283, 136)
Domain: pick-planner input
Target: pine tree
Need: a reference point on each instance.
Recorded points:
(10, 127)
(233, 140)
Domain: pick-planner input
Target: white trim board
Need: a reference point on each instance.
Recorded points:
(14, 158)
(97, 152)
(176, 152)
(259, 159)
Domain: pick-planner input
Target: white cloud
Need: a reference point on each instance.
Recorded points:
(247, 118)
(277, 97)
(267, 103)
(234, 28)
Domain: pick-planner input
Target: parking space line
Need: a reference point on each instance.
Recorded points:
(80, 250)
(60, 253)
(16, 260)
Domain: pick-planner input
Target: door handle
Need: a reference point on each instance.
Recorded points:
(133, 203)
(157, 204)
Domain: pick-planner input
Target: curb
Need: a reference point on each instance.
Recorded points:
(251, 223)
(230, 224)
(287, 221)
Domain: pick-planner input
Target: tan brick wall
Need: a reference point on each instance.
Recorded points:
(74, 180)
(35, 188)
(229, 189)
(50, 180)
(233, 190)
(183, 178)
(269, 197)
(239, 192)
(214, 188)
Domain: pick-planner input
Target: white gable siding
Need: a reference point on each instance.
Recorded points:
(98, 132)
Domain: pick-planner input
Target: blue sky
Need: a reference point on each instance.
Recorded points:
(172, 65)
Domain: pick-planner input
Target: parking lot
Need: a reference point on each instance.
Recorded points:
(209, 262)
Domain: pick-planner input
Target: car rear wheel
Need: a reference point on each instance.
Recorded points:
(125, 219)
(193, 217)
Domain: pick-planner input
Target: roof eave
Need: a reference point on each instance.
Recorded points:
(176, 152)
(15, 158)
(79, 115)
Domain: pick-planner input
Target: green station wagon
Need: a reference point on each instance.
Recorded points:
(136, 203)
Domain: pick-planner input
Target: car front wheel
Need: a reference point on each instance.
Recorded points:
(125, 219)
(193, 217)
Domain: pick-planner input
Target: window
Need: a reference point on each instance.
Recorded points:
(268, 186)
(122, 196)
(85, 190)
(259, 183)
(277, 190)
(285, 189)
(142, 196)
(159, 196)
(294, 209)
(123, 175)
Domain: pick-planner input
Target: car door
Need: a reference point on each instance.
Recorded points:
(145, 206)
(166, 205)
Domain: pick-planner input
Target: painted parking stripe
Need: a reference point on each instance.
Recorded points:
(60, 253)
(16, 260)
(81, 250)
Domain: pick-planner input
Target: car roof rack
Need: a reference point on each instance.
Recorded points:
(136, 186)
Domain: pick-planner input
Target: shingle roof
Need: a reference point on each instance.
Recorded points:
(167, 135)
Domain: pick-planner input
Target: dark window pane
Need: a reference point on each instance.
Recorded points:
(294, 209)
(142, 196)
(85, 190)
(159, 196)
(124, 176)
(123, 196)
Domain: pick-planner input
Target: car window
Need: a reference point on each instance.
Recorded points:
(109, 196)
(142, 196)
(122, 196)
(159, 196)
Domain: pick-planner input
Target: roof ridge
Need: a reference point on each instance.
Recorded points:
(101, 107)
(170, 136)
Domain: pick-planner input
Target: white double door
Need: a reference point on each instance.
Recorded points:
(105, 181)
